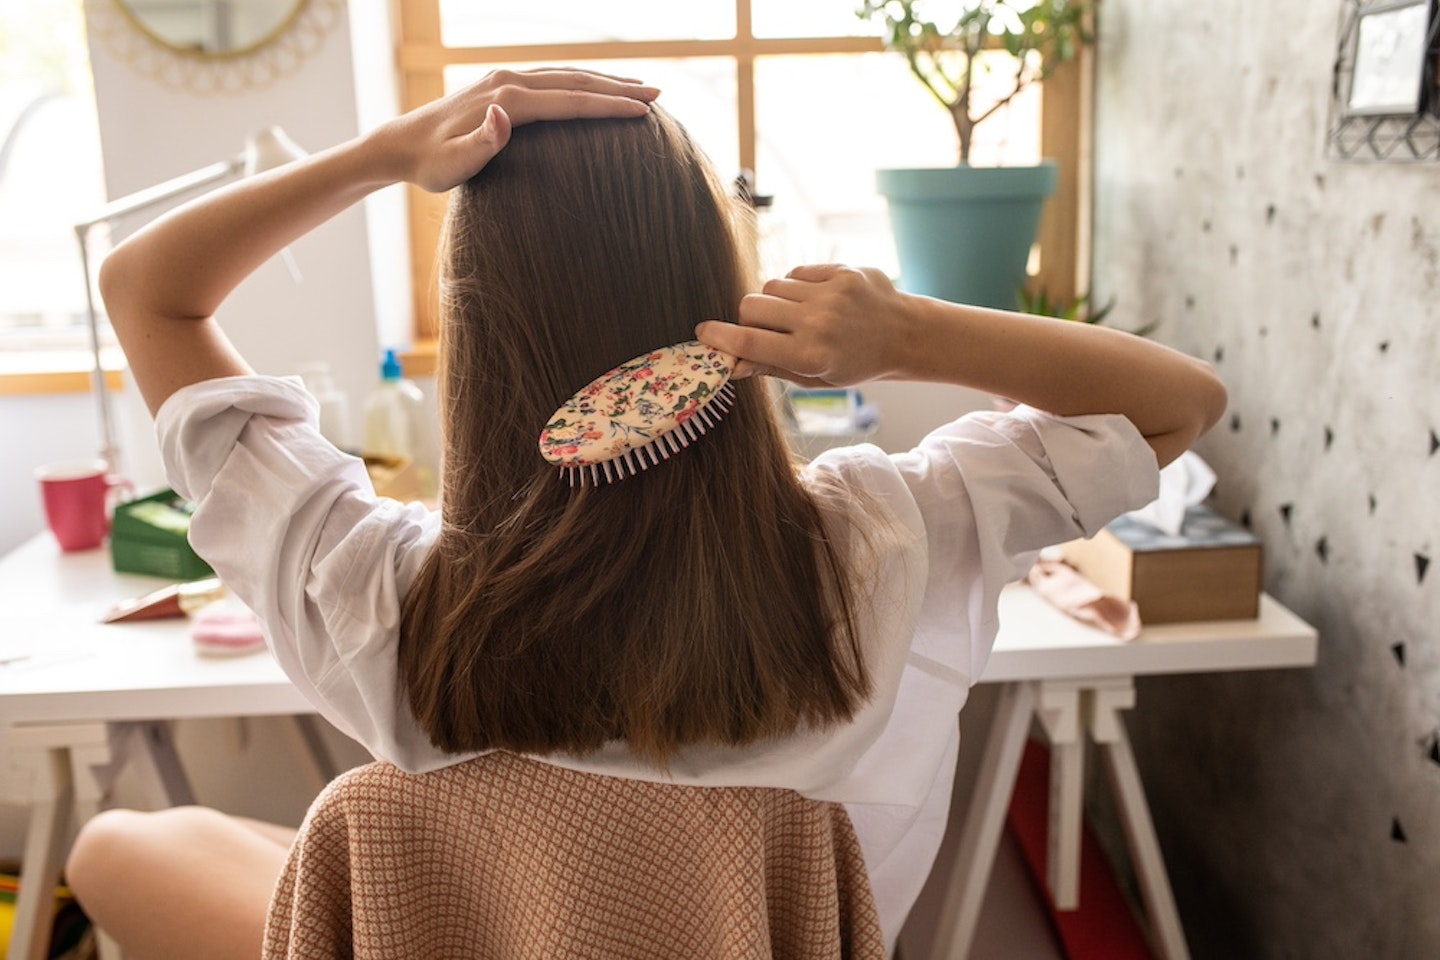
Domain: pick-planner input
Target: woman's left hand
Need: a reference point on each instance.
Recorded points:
(446, 142)
(821, 325)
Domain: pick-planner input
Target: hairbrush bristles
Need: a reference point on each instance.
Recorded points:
(640, 413)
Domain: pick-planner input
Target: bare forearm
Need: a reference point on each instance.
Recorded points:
(163, 285)
(186, 263)
(1064, 368)
(836, 325)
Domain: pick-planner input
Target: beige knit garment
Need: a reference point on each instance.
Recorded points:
(503, 857)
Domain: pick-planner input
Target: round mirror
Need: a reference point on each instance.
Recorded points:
(212, 28)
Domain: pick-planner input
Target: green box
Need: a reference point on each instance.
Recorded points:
(148, 536)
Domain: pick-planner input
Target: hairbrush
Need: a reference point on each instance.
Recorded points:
(640, 413)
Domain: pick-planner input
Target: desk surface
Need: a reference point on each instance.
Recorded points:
(77, 668)
(1039, 642)
(80, 669)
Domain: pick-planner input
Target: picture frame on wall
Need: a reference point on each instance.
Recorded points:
(1385, 88)
(1392, 59)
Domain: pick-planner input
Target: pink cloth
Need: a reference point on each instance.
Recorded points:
(1063, 586)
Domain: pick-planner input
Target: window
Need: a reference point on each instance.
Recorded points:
(51, 177)
(799, 91)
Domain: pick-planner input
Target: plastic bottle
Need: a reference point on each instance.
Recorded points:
(334, 405)
(396, 424)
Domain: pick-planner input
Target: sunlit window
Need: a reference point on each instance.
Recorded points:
(824, 123)
(51, 175)
(504, 23)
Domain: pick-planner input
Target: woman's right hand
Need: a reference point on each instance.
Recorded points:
(448, 141)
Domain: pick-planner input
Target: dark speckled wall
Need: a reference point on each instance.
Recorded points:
(1299, 811)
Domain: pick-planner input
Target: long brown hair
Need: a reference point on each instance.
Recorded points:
(701, 602)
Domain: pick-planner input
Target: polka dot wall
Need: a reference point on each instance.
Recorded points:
(1300, 810)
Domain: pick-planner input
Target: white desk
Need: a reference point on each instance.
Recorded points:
(84, 681)
(86, 694)
(51, 604)
(1075, 680)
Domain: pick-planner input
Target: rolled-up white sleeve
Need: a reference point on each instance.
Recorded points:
(293, 528)
(996, 488)
(1031, 480)
(988, 492)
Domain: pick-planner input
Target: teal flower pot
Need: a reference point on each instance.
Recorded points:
(964, 233)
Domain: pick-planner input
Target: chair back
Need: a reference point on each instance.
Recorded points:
(508, 857)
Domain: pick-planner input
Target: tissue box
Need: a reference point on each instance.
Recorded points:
(1210, 571)
(149, 536)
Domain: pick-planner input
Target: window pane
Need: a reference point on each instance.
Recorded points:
(489, 23)
(809, 18)
(698, 91)
(817, 155)
(50, 172)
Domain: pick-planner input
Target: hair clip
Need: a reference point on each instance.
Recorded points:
(639, 413)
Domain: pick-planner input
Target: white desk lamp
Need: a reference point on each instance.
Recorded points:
(265, 150)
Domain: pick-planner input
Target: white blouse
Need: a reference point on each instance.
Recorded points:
(294, 529)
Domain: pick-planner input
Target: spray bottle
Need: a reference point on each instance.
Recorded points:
(396, 424)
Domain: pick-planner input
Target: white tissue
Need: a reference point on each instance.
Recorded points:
(1186, 482)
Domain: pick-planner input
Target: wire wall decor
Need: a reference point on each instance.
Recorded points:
(1385, 94)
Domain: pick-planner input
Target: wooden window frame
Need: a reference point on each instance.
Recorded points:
(1064, 129)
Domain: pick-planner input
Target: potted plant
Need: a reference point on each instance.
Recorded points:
(964, 233)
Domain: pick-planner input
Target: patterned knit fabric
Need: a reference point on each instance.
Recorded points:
(505, 857)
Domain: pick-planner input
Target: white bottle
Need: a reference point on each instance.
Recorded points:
(396, 424)
(334, 405)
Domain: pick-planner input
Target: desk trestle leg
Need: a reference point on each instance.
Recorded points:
(151, 744)
(1107, 727)
(970, 873)
(58, 760)
(1067, 710)
(1059, 714)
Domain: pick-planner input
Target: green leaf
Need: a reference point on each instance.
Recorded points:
(1042, 34)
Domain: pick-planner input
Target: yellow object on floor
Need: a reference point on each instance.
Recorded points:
(9, 889)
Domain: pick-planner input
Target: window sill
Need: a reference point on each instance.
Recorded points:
(422, 359)
(24, 374)
(27, 373)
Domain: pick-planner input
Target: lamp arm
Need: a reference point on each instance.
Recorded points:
(174, 187)
(108, 450)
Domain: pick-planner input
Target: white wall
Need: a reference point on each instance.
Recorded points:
(36, 430)
(1299, 810)
(150, 132)
(355, 293)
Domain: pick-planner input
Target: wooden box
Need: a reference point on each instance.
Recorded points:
(1211, 571)
(393, 477)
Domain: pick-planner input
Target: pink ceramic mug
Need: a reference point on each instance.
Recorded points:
(79, 496)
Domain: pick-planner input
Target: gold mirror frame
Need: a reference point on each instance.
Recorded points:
(231, 72)
(143, 20)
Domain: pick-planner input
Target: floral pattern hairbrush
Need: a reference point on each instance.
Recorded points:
(641, 412)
